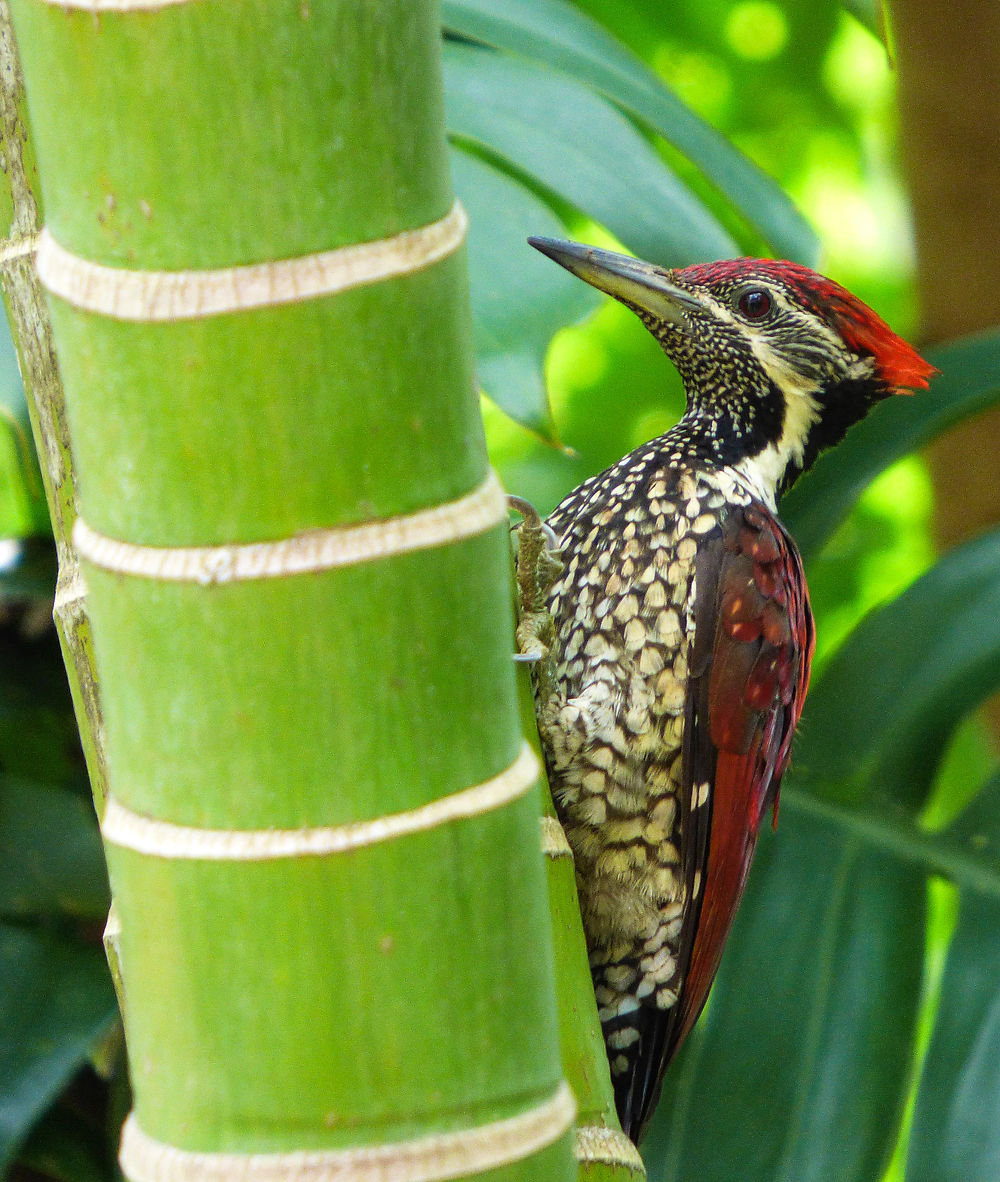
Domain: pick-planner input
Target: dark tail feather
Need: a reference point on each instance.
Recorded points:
(638, 1082)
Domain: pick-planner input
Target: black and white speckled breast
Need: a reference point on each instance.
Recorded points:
(612, 718)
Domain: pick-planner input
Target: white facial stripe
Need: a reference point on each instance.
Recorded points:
(765, 471)
(801, 407)
(862, 368)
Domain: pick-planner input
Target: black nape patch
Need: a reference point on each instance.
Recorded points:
(843, 404)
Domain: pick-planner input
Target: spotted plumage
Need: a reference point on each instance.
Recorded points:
(678, 631)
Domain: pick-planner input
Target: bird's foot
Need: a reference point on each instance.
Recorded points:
(538, 565)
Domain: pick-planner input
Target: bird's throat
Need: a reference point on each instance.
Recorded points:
(771, 435)
(750, 433)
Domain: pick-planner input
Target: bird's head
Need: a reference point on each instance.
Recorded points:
(777, 361)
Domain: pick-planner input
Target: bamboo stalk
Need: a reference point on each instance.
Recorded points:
(321, 952)
(602, 1150)
(28, 316)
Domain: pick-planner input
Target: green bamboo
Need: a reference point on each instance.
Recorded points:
(404, 988)
(27, 314)
(603, 1151)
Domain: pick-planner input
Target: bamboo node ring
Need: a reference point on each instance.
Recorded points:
(123, 827)
(125, 294)
(597, 1143)
(308, 552)
(434, 1158)
(117, 5)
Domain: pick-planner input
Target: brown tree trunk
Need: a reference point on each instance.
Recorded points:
(949, 100)
(948, 59)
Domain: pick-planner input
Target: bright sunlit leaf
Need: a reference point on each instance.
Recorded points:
(757, 30)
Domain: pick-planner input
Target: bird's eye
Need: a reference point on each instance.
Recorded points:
(754, 303)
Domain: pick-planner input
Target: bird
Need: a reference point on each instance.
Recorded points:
(667, 618)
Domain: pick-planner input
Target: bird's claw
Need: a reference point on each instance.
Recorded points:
(533, 521)
(538, 565)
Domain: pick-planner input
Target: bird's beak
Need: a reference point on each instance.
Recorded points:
(639, 285)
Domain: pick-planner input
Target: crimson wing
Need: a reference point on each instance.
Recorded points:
(749, 669)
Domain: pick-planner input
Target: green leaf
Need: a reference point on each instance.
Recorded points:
(870, 14)
(573, 142)
(23, 511)
(55, 1003)
(956, 1133)
(914, 669)
(51, 861)
(975, 835)
(798, 1070)
(969, 382)
(559, 34)
(956, 1129)
(519, 300)
(66, 1147)
(38, 736)
(31, 574)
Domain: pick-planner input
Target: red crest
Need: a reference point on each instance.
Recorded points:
(900, 366)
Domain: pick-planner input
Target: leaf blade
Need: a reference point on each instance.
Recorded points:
(810, 1026)
(913, 693)
(51, 861)
(557, 33)
(64, 1003)
(579, 146)
(956, 1128)
(519, 300)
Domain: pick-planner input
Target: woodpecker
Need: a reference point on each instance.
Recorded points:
(672, 637)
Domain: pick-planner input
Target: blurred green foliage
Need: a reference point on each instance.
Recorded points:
(56, 1000)
(23, 512)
